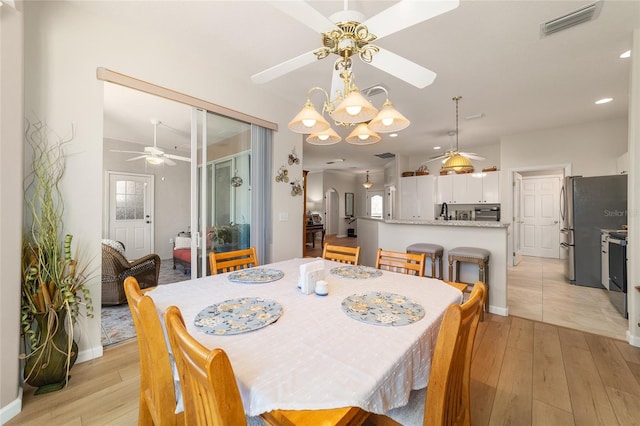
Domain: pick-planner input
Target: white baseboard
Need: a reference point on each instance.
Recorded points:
(633, 340)
(499, 311)
(89, 354)
(12, 409)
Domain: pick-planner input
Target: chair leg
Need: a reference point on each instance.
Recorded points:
(450, 277)
(440, 267)
(433, 266)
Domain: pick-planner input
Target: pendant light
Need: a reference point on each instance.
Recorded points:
(367, 184)
(457, 163)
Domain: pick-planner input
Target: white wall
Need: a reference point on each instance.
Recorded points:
(590, 149)
(64, 46)
(172, 196)
(341, 181)
(11, 196)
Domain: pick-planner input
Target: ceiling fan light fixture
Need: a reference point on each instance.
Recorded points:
(457, 163)
(308, 120)
(362, 135)
(354, 109)
(155, 160)
(389, 120)
(326, 137)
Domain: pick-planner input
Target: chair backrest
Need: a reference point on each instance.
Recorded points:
(396, 261)
(341, 254)
(447, 400)
(157, 391)
(232, 260)
(209, 388)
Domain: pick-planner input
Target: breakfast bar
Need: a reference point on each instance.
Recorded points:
(398, 234)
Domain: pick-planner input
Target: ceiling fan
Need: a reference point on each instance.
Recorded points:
(152, 154)
(455, 152)
(348, 32)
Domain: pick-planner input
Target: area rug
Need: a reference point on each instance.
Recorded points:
(117, 324)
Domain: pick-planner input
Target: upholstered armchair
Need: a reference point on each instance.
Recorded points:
(115, 268)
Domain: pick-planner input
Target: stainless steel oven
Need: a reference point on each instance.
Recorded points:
(618, 271)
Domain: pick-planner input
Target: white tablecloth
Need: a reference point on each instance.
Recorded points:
(315, 356)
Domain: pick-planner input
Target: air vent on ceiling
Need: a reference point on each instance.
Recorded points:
(584, 14)
(385, 155)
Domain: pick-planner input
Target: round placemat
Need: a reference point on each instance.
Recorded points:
(380, 308)
(356, 272)
(255, 275)
(237, 316)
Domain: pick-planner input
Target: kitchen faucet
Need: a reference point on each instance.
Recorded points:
(444, 211)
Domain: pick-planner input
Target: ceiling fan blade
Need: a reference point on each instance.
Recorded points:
(402, 68)
(336, 83)
(284, 68)
(126, 152)
(177, 157)
(168, 161)
(139, 157)
(407, 13)
(439, 157)
(473, 156)
(302, 12)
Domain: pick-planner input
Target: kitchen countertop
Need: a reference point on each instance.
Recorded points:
(468, 223)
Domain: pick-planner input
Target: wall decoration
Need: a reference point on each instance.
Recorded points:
(283, 175)
(296, 188)
(293, 157)
(236, 180)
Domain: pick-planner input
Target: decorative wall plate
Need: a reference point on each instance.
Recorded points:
(235, 316)
(236, 181)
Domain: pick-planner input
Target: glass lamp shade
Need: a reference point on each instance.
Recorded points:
(458, 163)
(389, 120)
(155, 160)
(354, 109)
(367, 184)
(308, 120)
(326, 137)
(362, 135)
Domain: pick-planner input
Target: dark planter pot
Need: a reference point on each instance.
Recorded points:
(46, 367)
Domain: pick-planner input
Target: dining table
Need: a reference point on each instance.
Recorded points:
(365, 345)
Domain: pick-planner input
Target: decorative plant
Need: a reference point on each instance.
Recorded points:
(54, 283)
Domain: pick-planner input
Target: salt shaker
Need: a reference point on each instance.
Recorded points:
(322, 288)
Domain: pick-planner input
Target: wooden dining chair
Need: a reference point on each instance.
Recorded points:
(448, 392)
(405, 263)
(209, 389)
(232, 260)
(341, 254)
(157, 404)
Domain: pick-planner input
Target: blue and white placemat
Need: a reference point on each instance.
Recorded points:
(255, 275)
(356, 272)
(381, 308)
(235, 316)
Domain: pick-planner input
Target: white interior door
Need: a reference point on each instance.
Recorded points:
(131, 212)
(540, 231)
(517, 218)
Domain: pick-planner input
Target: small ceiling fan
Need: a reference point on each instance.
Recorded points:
(453, 152)
(152, 154)
(348, 33)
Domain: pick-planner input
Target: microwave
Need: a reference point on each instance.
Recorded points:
(488, 213)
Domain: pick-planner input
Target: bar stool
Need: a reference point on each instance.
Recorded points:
(432, 251)
(476, 255)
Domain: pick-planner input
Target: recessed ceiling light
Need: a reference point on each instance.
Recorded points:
(393, 135)
(436, 147)
(626, 54)
(603, 101)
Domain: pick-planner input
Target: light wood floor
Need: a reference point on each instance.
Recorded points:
(523, 373)
(538, 290)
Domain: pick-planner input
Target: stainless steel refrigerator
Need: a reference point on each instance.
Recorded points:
(587, 205)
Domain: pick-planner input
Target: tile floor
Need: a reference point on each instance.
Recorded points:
(538, 290)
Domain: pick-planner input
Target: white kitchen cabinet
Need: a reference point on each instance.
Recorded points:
(418, 197)
(491, 187)
(469, 188)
